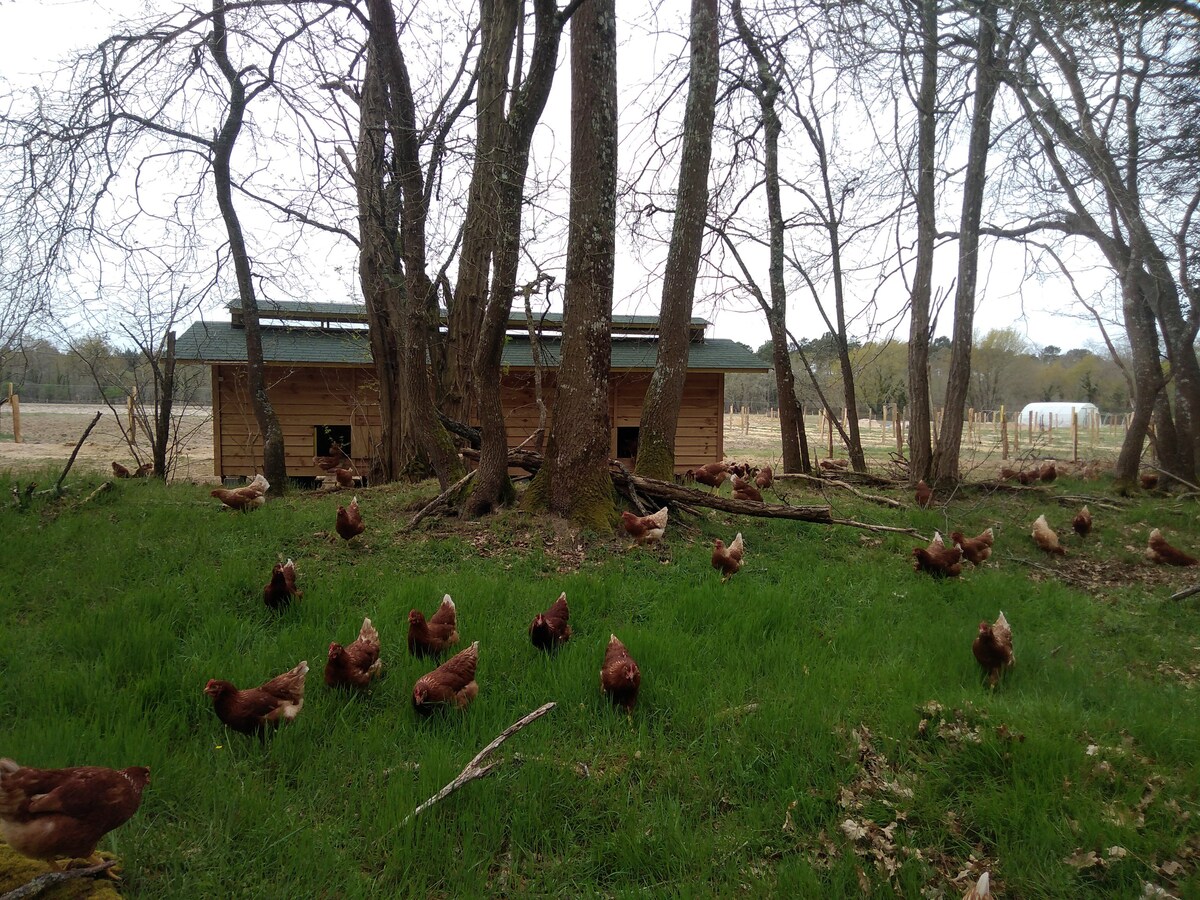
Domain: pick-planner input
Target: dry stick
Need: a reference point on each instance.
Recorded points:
(440, 498)
(885, 501)
(473, 769)
(104, 486)
(1186, 592)
(74, 453)
(642, 508)
(867, 526)
(1151, 465)
(48, 879)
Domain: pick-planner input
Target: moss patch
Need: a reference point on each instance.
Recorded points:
(16, 870)
(655, 459)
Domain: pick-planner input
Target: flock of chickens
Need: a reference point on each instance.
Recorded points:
(55, 813)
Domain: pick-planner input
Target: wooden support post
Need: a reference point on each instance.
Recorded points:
(971, 424)
(1003, 434)
(132, 419)
(14, 402)
(1074, 434)
(1030, 435)
(899, 430)
(883, 426)
(830, 420)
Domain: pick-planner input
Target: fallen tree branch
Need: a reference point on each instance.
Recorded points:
(867, 526)
(1090, 501)
(472, 436)
(104, 486)
(1188, 484)
(75, 452)
(439, 499)
(1186, 592)
(475, 769)
(642, 508)
(47, 880)
(834, 482)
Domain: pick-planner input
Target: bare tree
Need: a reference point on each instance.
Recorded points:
(575, 481)
(766, 89)
(401, 300)
(492, 231)
(664, 395)
(987, 80)
(1097, 87)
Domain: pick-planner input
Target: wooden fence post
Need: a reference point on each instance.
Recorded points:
(14, 402)
(1003, 434)
(899, 430)
(1030, 434)
(1074, 435)
(883, 426)
(132, 419)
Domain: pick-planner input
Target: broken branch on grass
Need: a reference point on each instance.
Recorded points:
(75, 452)
(104, 486)
(1188, 484)
(1186, 592)
(439, 499)
(475, 769)
(47, 880)
(834, 482)
(867, 526)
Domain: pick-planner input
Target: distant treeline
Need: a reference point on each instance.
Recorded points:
(42, 373)
(1005, 370)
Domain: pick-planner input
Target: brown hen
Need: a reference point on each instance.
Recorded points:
(975, 550)
(450, 684)
(54, 813)
(937, 559)
(349, 521)
(1159, 551)
(280, 590)
(745, 490)
(549, 630)
(433, 637)
(620, 676)
(728, 560)
(253, 710)
(924, 494)
(711, 474)
(645, 529)
(993, 648)
(121, 471)
(764, 479)
(1048, 472)
(1082, 523)
(357, 663)
(1046, 538)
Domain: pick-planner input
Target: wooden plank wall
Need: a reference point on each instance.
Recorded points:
(307, 396)
(303, 397)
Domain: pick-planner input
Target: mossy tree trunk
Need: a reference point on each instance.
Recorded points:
(575, 480)
(664, 395)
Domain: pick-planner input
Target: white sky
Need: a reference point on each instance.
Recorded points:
(36, 34)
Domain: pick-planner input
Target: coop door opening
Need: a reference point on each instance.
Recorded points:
(328, 435)
(627, 442)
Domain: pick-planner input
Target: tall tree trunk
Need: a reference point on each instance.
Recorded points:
(796, 457)
(396, 260)
(274, 463)
(920, 450)
(766, 91)
(664, 395)
(946, 458)
(379, 269)
(500, 177)
(575, 480)
(1147, 373)
(164, 388)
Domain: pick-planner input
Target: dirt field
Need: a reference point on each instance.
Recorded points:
(49, 432)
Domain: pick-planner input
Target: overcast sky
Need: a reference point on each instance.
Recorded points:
(36, 34)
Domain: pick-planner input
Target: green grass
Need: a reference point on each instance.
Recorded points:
(740, 770)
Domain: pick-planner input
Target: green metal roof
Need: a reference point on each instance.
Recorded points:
(220, 342)
(310, 311)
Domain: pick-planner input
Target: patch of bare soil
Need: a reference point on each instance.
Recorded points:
(49, 432)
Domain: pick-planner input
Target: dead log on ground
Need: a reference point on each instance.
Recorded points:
(70, 462)
(46, 880)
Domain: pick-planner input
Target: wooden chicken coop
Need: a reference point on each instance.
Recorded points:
(321, 381)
